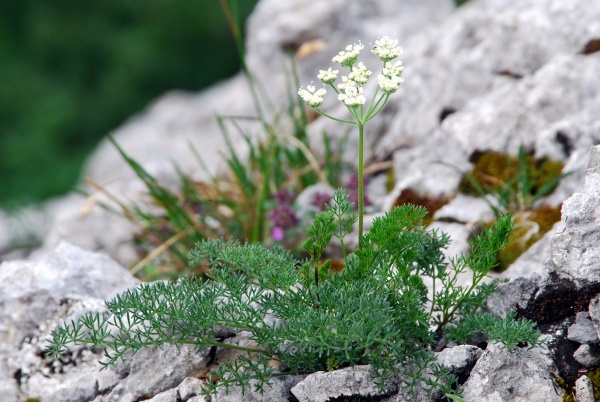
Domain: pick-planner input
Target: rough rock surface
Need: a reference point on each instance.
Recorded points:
(280, 391)
(584, 390)
(32, 291)
(351, 381)
(588, 355)
(460, 359)
(37, 295)
(583, 331)
(519, 376)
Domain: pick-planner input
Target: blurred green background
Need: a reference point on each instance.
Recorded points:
(72, 70)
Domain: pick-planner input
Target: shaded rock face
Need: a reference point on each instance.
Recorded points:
(492, 75)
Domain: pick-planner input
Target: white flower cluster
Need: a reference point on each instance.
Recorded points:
(386, 48)
(360, 74)
(348, 57)
(391, 77)
(311, 96)
(350, 93)
(329, 76)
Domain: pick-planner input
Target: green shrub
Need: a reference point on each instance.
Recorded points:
(377, 311)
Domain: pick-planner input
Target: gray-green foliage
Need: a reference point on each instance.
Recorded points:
(377, 311)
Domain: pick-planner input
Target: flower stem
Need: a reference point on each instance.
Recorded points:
(361, 205)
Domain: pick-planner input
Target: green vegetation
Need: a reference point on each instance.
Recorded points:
(318, 316)
(73, 70)
(516, 185)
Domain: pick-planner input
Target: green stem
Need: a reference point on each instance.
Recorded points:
(344, 251)
(335, 119)
(361, 206)
(378, 108)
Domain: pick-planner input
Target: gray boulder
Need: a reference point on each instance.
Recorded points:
(38, 295)
(33, 296)
(491, 122)
(355, 383)
(349, 382)
(583, 331)
(460, 360)
(32, 292)
(490, 45)
(279, 391)
(188, 390)
(584, 390)
(519, 376)
(588, 355)
(155, 370)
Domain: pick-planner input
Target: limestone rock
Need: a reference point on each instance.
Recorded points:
(466, 209)
(512, 296)
(33, 292)
(518, 376)
(584, 390)
(573, 277)
(491, 122)
(323, 386)
(278, 392)
(576, 252)
(583, 331)
(532, 262)
(460, 359)
(189, 387)
(35, 296)
(588, 355)
(167, 396)
(154, 370)
(488, 45)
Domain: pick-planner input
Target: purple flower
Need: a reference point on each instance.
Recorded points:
(277, 234)
(320, 200)
(283, 197)
(196, 208)
(283, 217)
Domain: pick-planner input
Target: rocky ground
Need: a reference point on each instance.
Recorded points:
(489, 76)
